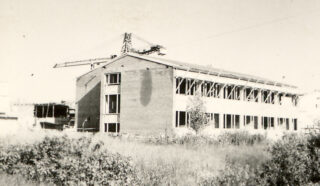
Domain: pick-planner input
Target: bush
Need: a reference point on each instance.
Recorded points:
(295, 160)
(65, 161)
(196, 111)
(289, 163)
(314, 154)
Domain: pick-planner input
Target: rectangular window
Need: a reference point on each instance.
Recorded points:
(251, 121)
(247, 120)
(210, 89)
(267, 96)
(267, 122)
(191, 86)
(287, 124)
(255, 122)
(113, 79)
(251, 94)
(181, 86)
(217, 88)
(182, 118)
(272, 123)
(231, 92)
(231, 121)
(216, 120)
(112, 127)
(280, 122)
(237, 121)
(295, 124)
(113, 104)
(228, 122)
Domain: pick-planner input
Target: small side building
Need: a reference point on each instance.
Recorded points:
(147, 95)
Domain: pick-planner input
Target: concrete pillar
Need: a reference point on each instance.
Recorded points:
(276, 99)
(221, 120)
(259, 96)
(221, 91)
(241, 122)
(242, 94)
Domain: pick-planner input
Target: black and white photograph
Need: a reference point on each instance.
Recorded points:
(159, 92)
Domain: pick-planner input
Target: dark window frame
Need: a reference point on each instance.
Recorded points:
(113, 78)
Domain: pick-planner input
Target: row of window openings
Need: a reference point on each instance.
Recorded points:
(210, 89)
(112, 127)
(232, 121)
(112, 104)
(113, 79)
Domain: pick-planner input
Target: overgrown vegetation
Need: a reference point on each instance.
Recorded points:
(294, 160)
(231, 159)
(226, 138)
(65, 161)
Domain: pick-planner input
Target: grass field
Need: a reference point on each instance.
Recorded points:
(185, 161)
(164, 164)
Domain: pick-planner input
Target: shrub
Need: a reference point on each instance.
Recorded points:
(314, 150)
(196, 111)
(65, 161)
(294, 160)
(289, 163)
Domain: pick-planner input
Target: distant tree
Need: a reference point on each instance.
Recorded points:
(197, 114)
(316, 122)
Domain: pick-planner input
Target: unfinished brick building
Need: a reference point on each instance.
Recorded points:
(146, 95)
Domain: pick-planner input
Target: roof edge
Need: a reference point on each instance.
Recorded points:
(254, 78)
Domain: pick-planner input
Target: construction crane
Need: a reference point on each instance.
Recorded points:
(126, 48)
(91, 62)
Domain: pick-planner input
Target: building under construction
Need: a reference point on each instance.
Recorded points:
(139, 94)
(53, 116)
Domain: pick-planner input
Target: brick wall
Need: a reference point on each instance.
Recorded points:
(146, 101)
(146, 96)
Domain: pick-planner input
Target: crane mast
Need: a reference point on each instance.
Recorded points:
(126, 47)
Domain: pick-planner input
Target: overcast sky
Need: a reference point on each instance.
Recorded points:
(275, 39)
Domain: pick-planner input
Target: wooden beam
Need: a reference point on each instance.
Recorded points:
(234, 86)
(189, 88)
(210, 89)
(181, 80)
(270, 92)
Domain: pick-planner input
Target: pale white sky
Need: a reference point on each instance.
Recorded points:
(268, 38)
